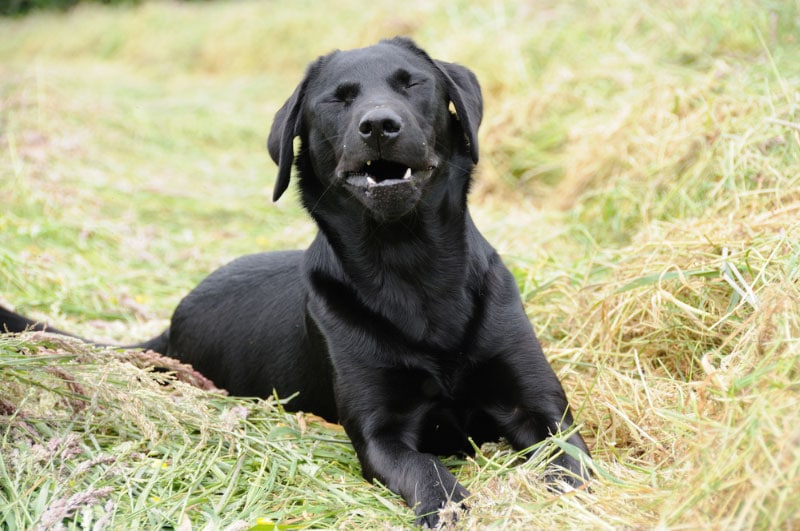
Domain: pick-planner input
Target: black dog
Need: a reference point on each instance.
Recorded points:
(400, 320)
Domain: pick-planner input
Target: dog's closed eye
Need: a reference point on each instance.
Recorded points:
(346, 93)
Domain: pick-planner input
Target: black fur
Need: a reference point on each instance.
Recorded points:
(400, 320)
(14, 322)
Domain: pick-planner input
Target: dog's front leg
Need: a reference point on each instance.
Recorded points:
(421, 479)
(522, 392)
(533, 407)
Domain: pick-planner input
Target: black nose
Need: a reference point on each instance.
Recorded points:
(380, 123)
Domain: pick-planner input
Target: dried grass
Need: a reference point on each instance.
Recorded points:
(640, 174)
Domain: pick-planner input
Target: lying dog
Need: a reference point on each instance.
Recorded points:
(400, 320)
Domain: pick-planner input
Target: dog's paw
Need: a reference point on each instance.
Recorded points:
(567, 473)
(439, 513)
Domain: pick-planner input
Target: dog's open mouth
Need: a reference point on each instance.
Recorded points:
(387, 188)
(384, 173)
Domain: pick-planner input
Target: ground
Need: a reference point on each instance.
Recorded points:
(640, 174)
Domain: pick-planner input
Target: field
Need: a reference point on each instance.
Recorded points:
(640, 175)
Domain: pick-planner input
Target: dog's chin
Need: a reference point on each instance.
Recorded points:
(387, 195)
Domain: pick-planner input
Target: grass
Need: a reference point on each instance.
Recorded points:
(640, 174)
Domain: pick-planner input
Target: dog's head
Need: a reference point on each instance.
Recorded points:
(376, 122)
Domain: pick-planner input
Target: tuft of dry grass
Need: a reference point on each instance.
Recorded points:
(640, 174)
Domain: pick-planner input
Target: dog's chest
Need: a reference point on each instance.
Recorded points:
(448, 406)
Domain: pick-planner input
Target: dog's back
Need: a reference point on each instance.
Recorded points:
(245, 327)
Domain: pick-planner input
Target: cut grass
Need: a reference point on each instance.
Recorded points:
(90, 425)
(640, 174)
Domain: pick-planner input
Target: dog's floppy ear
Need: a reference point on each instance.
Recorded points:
(285, 127)
(465, 93)
(280, 143)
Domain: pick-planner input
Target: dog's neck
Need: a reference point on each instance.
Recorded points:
(382, 261)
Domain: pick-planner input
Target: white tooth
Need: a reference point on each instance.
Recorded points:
(408, 174)
(370, 180)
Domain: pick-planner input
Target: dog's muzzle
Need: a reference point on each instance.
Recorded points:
(389, 189)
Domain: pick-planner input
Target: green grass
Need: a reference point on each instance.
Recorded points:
(640, 174)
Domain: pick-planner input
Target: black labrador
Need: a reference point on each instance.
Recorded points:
(400, 321)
